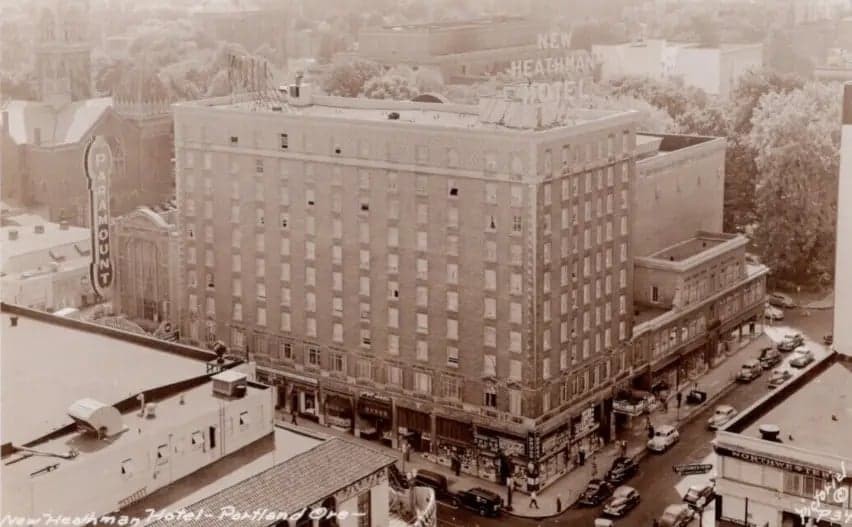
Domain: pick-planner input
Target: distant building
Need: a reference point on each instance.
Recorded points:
(247, 24)
(147, 245)
(716, 70)
(43, 142)
(842, 279)
(838, 66)
(45, 265)
(787, 459)
(112, 447)
(679, 191)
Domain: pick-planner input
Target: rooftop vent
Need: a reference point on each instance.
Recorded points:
(230, 383)
(13, 234)
(38, 229)
(770, 433)
(96, 417)
(151, 410)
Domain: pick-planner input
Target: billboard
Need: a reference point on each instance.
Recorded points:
(98, 167)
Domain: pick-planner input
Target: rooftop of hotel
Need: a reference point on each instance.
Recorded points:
(76, 360)
(691, 247)
(506, 112)
(813, 412)
(309, 478)
(182, 406)
(650, 145)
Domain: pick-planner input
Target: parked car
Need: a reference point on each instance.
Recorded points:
(623, 468)
(769, 357)
(802, 357)
(781, 300)
(482, 501)
(791, 342)
(664, 437)
(750, 371)
(596, 492)
(438, 482)
(779, 377)
(676, 516)
(696, 397)
(773, 313)
(623, 500)
(698, 492)
(723, 414)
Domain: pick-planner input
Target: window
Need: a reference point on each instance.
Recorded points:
(197, 440)
(422, 350)
(244, 420)
(422, 213)
(490, 366)
(285, 350)
(452, 273)
(338, 362)
(311, 327)
(284, 141)
(393, 344)
(490, 308)
(238, 311)
(515, 402)
(490, 279)
(422, 269)
(517, 196)
(453, 189)
(517, 224)
(313, 356)
(452, 356)
(393, 317)
(515, 341)
(422, 323)
(452, 329)
(655, 294)
(491, 193)
(422, 382)
(394, 375)
(234, 139)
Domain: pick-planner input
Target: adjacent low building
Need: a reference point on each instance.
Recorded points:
(45, 265)
(787, 460)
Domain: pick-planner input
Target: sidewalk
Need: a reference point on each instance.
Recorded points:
(716, 382)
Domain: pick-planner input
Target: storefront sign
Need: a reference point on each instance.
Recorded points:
(556, 441)
(776, 463)
(374, 408)
(98, 167)
(567, 61)
(628, 407)
(557, 91)
(487, 443)
(533, 446)
(695, 468)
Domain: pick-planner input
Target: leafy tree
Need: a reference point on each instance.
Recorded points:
(652, 118)
(796, 136)
(673, 97)
(347, 80)
(428, 80)
(390, 87)
(750, 88)
(17, 86)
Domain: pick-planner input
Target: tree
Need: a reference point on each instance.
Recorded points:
(652, 119)
(428, 80)
(347, 80)
(393, 87)
(17, 86)
(796, 136)
(672, 97)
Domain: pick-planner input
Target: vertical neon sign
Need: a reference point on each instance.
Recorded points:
(98, 166)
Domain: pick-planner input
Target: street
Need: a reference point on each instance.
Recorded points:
(657, 483)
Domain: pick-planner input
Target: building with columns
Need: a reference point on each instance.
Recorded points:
(43, 141)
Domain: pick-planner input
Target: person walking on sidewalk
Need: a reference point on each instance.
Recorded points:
(294, 420)
(533, 500)
(510, 487)
(558, 503)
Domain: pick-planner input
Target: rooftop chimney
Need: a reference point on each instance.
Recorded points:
(38, 229)
(770, 433)
(13, 234)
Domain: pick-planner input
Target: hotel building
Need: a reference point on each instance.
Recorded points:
(452, 275)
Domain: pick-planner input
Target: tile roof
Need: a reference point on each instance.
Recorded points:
(65, 125)
(299, 482)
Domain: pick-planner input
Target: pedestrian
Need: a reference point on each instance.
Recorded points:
(558, 503)
(294, 420)
(533, 500)
(679, 398)
(510, 487)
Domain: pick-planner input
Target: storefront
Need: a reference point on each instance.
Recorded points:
(499, 456)
(414, 428)
(585, 438)
(302, 392)
(556, 458)
(375, 418)
(455, 446)
(338, 406)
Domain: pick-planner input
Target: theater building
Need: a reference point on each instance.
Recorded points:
(457, 277)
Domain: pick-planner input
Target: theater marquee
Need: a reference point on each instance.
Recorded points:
(98, 167)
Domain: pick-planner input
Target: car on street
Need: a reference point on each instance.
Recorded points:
(438, 482)
(595, 493)
(769, 357)
(623, 468)
(750, 371)
(678, 515)
(781, 300)
(779, 377)
(664, 437)
(791, 342)
(482, 501)
(696, 493)
(773, 313)
(802, 357)
(622, 501)
(723, 414)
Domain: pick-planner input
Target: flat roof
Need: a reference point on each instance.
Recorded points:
(181, 407)
(647, 312)
(54, 236)
(48, 362)
(813, 411)
(297, 483)
(694, 246)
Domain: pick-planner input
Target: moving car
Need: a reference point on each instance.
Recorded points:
(779, 377)
(664, 437)
(438, 482)
(773, 313)
(723, 414)
(698, 492)
(676, 516)
(802, 357)
(750, 371)
(780, 300)
(596, 492)
(791, 342)
(769, 357)
(623, 500)
(482, 501)
(623, 468)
